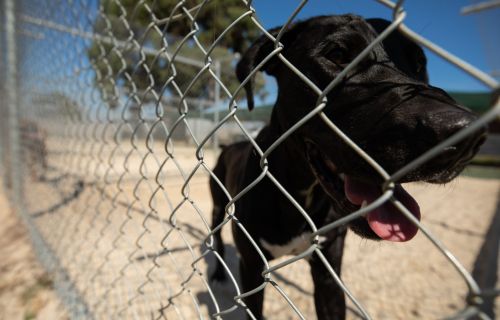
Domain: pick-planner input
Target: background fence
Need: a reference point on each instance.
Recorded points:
(111, 115)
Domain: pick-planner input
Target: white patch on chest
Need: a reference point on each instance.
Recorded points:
(295, 246)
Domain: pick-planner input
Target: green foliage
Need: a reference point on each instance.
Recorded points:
(126, 25)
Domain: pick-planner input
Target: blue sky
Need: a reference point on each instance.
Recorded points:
(440, 21)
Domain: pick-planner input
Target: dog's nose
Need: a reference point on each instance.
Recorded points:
(441, 124)
(437, 126)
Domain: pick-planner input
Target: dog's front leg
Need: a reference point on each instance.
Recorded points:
(251, 278)
(329, 298)
(251, 267)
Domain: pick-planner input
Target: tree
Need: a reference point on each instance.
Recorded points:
(123, 68)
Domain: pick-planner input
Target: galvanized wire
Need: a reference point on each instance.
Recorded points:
(106, 186)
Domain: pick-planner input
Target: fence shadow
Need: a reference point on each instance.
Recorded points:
(224, 292)
(485, 269)
(76, 190)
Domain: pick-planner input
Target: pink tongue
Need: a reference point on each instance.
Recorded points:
(386, 220)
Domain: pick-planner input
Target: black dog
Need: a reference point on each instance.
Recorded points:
(385, 105)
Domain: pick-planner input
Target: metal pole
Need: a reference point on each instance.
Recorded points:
(14, 167)
(108, 40)
(3, 142)
(486, 5)
(218, 72)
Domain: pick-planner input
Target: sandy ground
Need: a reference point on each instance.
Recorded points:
(132, 245)
(26, 291)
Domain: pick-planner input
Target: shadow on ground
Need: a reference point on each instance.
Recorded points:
(486, 266)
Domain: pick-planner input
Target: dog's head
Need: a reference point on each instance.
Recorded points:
(385, 105)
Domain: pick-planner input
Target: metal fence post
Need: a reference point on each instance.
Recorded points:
(12, 107)
(2, 94)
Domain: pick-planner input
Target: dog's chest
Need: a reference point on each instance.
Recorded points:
(295, 246)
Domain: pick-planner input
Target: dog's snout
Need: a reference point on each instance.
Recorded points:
(439, 125)
(436, 127)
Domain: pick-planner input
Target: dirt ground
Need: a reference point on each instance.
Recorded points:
(26, 291)
(132, 246)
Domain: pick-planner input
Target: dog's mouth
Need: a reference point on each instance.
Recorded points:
(385, 221)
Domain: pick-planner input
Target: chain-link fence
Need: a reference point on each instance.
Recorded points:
(111, 118)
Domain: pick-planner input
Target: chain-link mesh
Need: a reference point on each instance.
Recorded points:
(107, 148)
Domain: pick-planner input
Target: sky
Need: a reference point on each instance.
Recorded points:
(471, 37)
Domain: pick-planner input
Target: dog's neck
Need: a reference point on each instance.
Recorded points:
(289, 166)
(297, 173)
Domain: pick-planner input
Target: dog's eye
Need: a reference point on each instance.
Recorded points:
(337, 55)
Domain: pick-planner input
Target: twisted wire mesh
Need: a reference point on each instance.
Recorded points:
(115, 182)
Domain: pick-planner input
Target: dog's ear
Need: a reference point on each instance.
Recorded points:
(257, 52)
(405, 53)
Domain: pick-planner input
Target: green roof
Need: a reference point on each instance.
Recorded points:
(476, 101)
